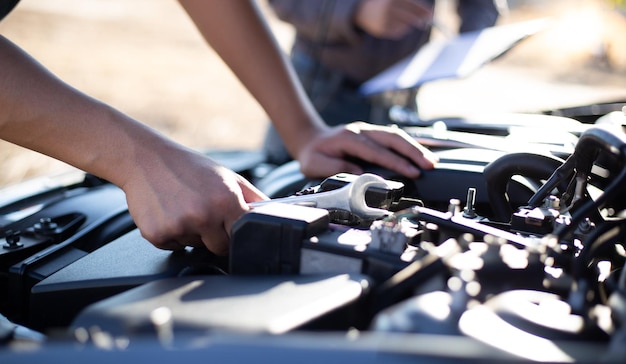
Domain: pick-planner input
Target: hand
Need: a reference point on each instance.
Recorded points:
(185, 199)
(176, 196)
(392, 19)
(389, 147)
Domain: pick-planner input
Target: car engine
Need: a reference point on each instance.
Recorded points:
(511, 253)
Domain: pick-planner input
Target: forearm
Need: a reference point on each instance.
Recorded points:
(42, 113)
(176, 196)
(237, 32)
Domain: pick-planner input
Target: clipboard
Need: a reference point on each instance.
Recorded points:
(457, 57)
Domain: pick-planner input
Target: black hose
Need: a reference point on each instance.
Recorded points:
(498, 173)
(588, 149)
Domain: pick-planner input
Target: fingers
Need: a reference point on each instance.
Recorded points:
(192, 229)
(392, 19)
(319, 164)
(216, 237)
(377, 153)
(216, 232)
(249, 191)
(399, 141)
(217, 240)
(196, 209)
(413, 12)
(388, 147)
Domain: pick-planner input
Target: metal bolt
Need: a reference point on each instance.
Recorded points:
(454, 207)
(552, 202)
(45, 225)
(469, 212)
(12, 240)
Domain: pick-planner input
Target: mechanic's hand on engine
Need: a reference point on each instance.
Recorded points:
(238, 35)
(392, 19)
(392, 148)
(175, 195)
(185, 199)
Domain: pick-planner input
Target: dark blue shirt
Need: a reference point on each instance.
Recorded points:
(6, 6)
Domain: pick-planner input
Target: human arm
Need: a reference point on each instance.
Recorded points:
(176, 196)
(345, 20)
(392, 19)
(239, 35)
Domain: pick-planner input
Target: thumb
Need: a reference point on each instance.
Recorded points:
(250, 192)
(325, 166)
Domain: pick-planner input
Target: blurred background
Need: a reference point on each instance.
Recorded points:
(146, 58)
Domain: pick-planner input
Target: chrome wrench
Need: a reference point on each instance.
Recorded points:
(350, 197)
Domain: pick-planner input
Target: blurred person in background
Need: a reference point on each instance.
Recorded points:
(177, 196)
(339, 44)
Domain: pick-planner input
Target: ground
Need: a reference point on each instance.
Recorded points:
(146, 58)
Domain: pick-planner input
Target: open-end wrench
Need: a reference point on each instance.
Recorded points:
(350, 197)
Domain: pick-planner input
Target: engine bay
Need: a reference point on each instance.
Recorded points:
(512, 252)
